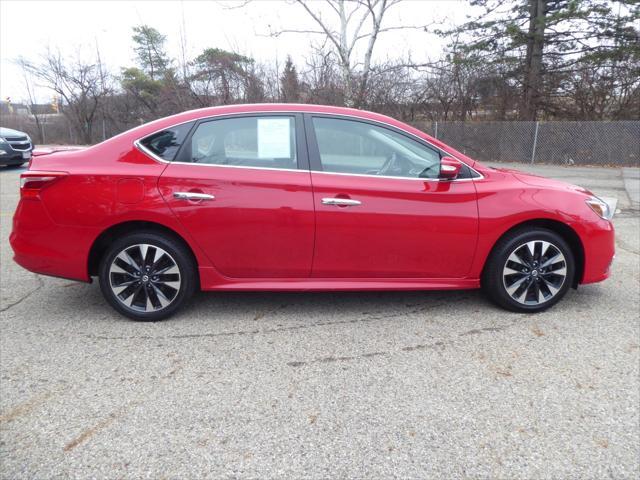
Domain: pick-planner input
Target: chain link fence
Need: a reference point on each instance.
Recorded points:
(56, 129)
(599, 143)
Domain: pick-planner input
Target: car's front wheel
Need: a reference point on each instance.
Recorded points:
(529, 270)
(147, 276)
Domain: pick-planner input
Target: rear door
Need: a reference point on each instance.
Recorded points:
(242, 188)
(381, 210)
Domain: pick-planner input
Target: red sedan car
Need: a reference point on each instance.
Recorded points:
(301, 197)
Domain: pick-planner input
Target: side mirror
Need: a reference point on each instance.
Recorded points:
(449, 168)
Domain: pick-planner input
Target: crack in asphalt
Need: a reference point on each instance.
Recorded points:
(124, 410)
(628, 213)
(439, 346)
(264, 331)
(482, 330)
(27, 295)
(331, 359)
(626, 247)
(369, 318)
(263, 314)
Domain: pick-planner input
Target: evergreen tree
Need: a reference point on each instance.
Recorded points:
(150, 51)
(289, 84)
(544, 40)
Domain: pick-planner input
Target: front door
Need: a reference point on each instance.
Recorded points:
(241, 186)
(380, 209)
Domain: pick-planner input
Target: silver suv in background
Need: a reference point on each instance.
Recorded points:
(15, 147)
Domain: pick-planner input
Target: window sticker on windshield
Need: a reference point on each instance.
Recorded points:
(273, 138)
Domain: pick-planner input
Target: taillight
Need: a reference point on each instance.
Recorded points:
(32, 182)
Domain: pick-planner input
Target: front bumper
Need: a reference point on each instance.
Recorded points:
(598, 241)
(13, 156)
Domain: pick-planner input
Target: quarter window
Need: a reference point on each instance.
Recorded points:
(264, 141)
(166, 143)
(348, 146)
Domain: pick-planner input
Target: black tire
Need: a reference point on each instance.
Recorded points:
(148, 302)
(530, 288)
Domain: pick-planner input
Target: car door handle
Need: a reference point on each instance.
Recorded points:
(341, 202)
(193, 196)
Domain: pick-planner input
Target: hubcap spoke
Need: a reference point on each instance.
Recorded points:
(521, 292)
(164, 301)
(158, 258)
(534, 272)
(552, 288)
(124, 255)
(540, 294)
(522, 256)
(123, 286)
(517, 285)
(558, 268)
(134, 293)
(531, 247)
(170, 269)
(153, 298)
(115, 268)
(149, 255)
(174, 285)
(121, 265)
(143, 253)
(551, 261)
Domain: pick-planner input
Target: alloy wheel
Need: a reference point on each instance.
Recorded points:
(534, 272)
(144, 278)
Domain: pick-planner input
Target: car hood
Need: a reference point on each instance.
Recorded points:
(10, 132)
(543, 182)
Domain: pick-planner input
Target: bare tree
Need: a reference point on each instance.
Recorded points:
(33, 108)
(350, 24)
(81, 84)
(320, 82)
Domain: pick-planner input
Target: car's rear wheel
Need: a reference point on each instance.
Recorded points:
(147, 276)
(529, 270)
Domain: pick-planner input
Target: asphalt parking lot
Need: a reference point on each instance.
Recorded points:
(342, 385)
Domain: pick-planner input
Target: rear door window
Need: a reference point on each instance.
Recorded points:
(263, 141)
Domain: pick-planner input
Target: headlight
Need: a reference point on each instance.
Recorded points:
(600, 207)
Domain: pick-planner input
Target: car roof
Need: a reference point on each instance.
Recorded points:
(272, 107)
(202, 113)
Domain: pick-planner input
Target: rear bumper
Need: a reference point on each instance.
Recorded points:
(41, 246)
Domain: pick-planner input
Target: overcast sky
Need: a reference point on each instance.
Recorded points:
(28, 27)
